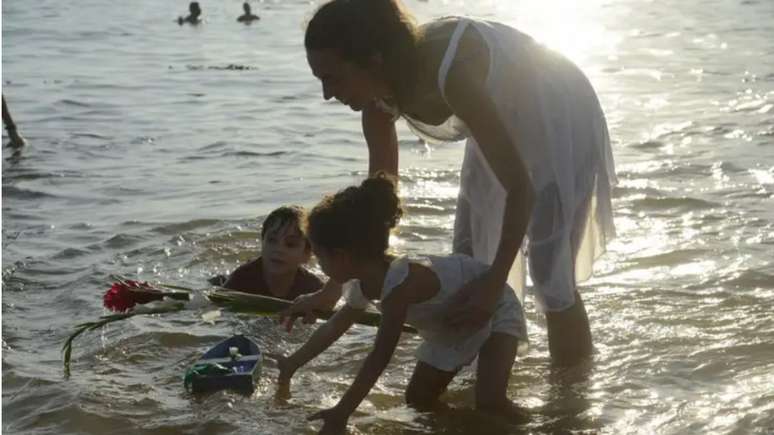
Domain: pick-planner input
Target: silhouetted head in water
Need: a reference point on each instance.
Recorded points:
(194, 9)
(193, 17)
(248, 16)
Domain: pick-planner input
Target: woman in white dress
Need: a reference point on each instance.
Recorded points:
(537, 170)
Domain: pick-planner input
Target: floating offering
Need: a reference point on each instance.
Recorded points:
(128, 298)
(233, 364)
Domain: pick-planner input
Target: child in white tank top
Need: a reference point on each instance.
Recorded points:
(349, 233)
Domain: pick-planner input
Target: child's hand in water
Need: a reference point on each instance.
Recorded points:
(334, 420)
(303, 306)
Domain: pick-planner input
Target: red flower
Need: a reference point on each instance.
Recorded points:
(124, 295)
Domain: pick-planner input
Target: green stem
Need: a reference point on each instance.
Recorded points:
(103, 320)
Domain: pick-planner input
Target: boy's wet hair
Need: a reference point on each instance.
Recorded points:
(283, 216)
(358, 219)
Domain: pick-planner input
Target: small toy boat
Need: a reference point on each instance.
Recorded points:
(233, 364)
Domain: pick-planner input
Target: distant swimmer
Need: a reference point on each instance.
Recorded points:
(193, 17)
(248, 17)
(16, 140)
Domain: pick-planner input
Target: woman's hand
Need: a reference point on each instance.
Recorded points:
(334, 420)
(475, 303)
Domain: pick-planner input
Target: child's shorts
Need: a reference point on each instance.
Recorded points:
(450, 352)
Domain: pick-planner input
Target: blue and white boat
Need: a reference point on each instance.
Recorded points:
(233, 364)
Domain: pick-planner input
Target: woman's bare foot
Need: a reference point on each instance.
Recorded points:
(508, 411)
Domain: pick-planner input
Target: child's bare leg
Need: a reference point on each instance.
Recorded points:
(426, 386)
(495, 361)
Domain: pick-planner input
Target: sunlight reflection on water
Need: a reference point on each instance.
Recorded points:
(148, 155)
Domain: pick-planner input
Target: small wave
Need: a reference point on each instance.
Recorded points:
(52, 406)
(647, 145)
(750, 279)
(69, 102)
(254, 154)
(625, 191)
(24, 175)
(668, 129)
(727, 167)
(422, 232)
(666, 203)
(91, 136)
(120, 241)
(193, 158)
(10, 191)
(438, 176)
(70, 253)
(759, 105)
(638, 72)
(672, 258)
(177, 228)
(213, 146)
(747, 193)
(229, 67)
(169, 340)
(141, 140)
(663, 170)
(12, 282)
(441, 209)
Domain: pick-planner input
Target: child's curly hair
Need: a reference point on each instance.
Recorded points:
(358, 219)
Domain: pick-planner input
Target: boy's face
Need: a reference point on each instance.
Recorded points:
(284, 249)
(334, 263)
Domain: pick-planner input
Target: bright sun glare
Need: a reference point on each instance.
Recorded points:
(572, 27)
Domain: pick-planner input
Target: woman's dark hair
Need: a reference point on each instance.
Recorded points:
(357, 219)
(360, 29)
(285, 215)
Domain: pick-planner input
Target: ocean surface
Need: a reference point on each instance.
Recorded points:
(156, 150)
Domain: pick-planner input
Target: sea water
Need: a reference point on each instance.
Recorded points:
(155, 151)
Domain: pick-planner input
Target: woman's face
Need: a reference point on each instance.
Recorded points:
(348, 82)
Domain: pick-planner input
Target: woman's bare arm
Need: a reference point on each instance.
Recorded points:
(382, 140)
(469, 99)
